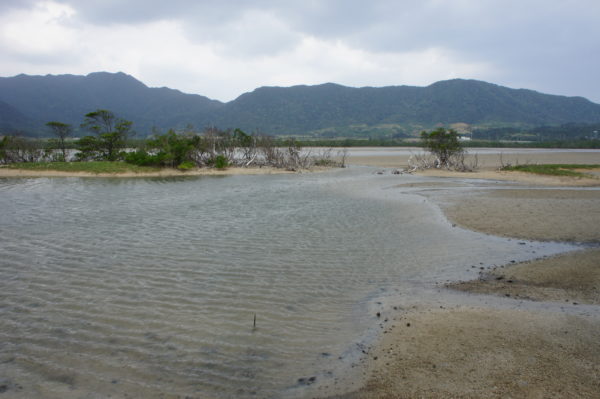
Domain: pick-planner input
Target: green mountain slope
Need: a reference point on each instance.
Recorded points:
(67, 98)
(285, 110)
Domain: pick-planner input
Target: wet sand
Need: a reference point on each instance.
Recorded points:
(470, 352)
(503, 347)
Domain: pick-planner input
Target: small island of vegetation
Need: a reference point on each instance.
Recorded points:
(111, 149)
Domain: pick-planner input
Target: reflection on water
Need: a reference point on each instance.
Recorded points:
(149, 287)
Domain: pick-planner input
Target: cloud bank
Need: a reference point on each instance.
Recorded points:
(222, 49)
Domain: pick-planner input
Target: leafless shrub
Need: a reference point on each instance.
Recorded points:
(15, 149)
(326, 158)
(507, 165)
(456, 162)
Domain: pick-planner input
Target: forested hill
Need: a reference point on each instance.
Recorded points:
(27, 102)
(67, 98)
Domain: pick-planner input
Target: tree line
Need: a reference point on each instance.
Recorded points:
(110, 140)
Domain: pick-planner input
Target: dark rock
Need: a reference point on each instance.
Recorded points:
(307, 381)
(407, 324)
(3, 388)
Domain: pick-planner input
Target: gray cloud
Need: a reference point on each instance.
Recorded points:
(6, 5)
(209, 12)
(549, 46)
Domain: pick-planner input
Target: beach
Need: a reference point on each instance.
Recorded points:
(528, 330)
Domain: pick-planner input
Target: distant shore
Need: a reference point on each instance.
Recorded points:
(479, 350)
(487, 159)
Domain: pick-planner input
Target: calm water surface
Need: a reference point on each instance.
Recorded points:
(149, 287)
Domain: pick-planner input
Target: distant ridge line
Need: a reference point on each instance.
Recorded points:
(328, 109)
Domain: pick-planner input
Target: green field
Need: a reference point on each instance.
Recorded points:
(89, 167)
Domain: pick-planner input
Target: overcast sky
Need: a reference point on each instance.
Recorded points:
(224, 48)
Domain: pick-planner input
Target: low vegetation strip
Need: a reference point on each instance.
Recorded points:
(554, 169)
(87, 167)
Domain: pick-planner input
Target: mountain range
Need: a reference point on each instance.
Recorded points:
(28, 102)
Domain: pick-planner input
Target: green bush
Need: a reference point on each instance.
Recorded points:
(221, 161)
(186, 165)
(443, 144)
(142, 158)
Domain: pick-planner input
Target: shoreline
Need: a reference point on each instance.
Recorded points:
(528, 329)
(6, 172)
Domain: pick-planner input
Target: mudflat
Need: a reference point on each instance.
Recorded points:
(506, 348)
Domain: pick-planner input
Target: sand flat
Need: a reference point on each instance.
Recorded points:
(529, 213)
(570, 278)
(470, 352)
(467, 351)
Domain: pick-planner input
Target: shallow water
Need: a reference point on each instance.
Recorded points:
(149, 287)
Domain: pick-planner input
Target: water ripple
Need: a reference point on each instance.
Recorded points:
(150, 286)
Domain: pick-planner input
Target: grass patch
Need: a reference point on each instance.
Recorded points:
(554, 169)
(89, 167)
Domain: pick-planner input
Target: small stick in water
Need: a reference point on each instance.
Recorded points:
(254, 320)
